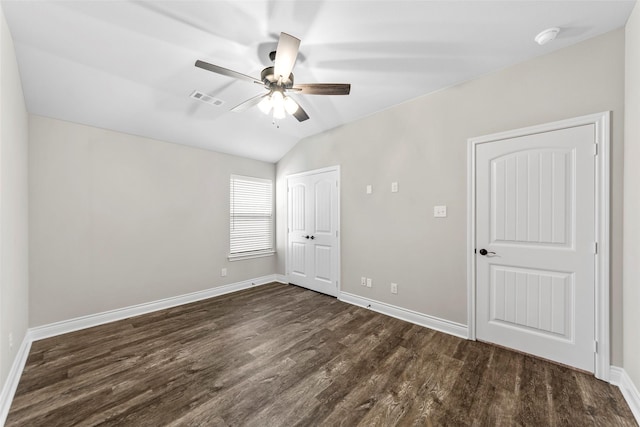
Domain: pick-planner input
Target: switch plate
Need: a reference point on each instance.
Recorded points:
(369, 189)
(440, 211)
(369, 283)
(363, 281)
(394, 187)
(394, 288)
(223, 272)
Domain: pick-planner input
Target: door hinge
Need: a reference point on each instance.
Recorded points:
(595, 346)
(336, 233)
(595, 247)
(595, 149)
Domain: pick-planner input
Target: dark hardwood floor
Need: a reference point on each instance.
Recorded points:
(279, 355)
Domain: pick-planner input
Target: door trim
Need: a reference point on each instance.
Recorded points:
(601, 121)
(286, 259)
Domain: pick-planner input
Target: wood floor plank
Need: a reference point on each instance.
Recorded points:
(467, 387)
(279, 355)
(426, 381)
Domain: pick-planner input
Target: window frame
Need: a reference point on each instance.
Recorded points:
(258, 253)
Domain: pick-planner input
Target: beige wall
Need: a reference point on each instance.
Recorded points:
(118, 220)
(632, 199)
(14, 271)
(422, 144)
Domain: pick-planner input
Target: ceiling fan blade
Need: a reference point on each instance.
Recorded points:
(323, 88)
(286, 54)
(225, 71)
(300, 114)
(249, 103)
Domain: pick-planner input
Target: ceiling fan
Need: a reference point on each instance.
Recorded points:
(278, 80)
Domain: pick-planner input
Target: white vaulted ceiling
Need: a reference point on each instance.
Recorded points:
(129, 65)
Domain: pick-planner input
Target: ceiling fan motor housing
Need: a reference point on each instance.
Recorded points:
(268, 77)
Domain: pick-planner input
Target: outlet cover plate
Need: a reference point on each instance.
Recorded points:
(440, 211)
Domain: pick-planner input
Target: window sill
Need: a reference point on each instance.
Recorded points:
(240, 257)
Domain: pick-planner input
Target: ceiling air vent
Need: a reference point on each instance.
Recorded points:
(206, 98)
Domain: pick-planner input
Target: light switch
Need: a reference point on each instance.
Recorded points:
(440, 211)
(369, 189)
(394, 187)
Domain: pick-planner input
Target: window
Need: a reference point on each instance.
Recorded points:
(251, 231)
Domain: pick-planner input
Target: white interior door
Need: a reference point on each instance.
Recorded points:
(535, 217)
(312, 245)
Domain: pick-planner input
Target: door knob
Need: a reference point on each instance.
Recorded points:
(313, 237)
(306, 237)
(485, 252)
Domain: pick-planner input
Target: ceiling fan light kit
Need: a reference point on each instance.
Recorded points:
(279, 103)
(277, 99)
(290, 105)
(278, 80)
(265, 105)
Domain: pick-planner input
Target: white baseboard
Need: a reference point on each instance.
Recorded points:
(71, 325)
(282, 278)
(431, 322)
(619, 377)
(11, 383)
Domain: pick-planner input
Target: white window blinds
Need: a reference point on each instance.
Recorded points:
(251, 216)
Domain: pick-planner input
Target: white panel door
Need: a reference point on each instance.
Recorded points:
(313, 231)
(535, 284)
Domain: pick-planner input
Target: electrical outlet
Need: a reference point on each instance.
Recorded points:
(440, 211)
(394, 187)
(394, 288)
(223, 272)
(369, 282)
(369, 189)
(10, 339)
(363, 281)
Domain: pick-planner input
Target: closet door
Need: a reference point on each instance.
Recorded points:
(312, 246)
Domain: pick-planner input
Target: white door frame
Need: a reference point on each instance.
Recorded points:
(602, 215)
(287, 255)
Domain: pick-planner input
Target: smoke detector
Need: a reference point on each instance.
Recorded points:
(547, 35)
